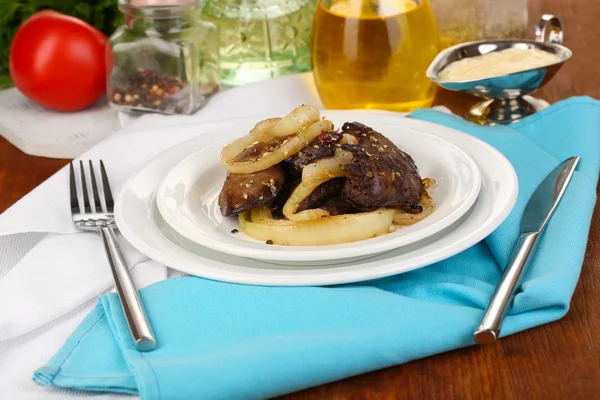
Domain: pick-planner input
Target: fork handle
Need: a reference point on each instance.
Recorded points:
(128, 294)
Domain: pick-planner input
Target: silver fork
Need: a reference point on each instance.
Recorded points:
(93, 217)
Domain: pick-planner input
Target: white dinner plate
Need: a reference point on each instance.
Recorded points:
(188, 196)
(141, 224)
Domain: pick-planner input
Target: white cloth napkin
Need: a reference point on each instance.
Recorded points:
(51, 274)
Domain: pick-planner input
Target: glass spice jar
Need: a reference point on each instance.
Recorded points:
(164, 58)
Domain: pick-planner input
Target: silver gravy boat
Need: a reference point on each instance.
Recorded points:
(507, 96)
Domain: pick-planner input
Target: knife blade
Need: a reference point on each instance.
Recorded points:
(537, 213)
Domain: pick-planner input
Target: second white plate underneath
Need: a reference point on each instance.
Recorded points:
(188, 196)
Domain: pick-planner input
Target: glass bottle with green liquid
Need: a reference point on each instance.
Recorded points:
(261, 39)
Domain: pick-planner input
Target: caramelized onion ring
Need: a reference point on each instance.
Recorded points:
(323, 231)
(262, 214)
(260, 132)
(257, 134)
(302, 191)
(286, 149)
(331, 167)
(299, 118)
(314, 175)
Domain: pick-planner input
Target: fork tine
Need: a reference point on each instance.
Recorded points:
(97, 204)
(86, 196)
(73, 189)
(110, 204)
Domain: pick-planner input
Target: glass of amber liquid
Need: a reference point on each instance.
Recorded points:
(373, 54)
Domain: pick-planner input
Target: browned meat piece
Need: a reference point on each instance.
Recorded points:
(242, 192)
(283, 196)
(338, 205)
(322, 193)
(380, 175)
(322, 147)
(245, 191)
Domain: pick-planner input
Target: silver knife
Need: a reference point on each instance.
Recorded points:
(537, 213)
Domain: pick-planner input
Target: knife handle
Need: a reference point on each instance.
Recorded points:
(489, 329)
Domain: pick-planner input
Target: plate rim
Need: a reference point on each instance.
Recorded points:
(312, 254)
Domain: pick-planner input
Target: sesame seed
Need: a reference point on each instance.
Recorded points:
(269, 241)
(398, 174)
(248, 185)
(385, 146)
(234, 231)
(251, 180)
(369, 154)
(261, 197)
(381, 149)
(316, 146)
(300, 154)
(271, 180)
(245, 196)
(369, 174)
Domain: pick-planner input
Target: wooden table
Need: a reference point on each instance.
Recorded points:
(555, 361)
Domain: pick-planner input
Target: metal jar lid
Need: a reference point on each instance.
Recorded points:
(158, 8)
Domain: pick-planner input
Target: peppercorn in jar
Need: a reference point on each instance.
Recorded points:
(163, 59)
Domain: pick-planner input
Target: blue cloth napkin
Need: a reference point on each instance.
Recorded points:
(224, 341)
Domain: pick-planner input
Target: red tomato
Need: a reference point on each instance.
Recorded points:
(58, 61)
